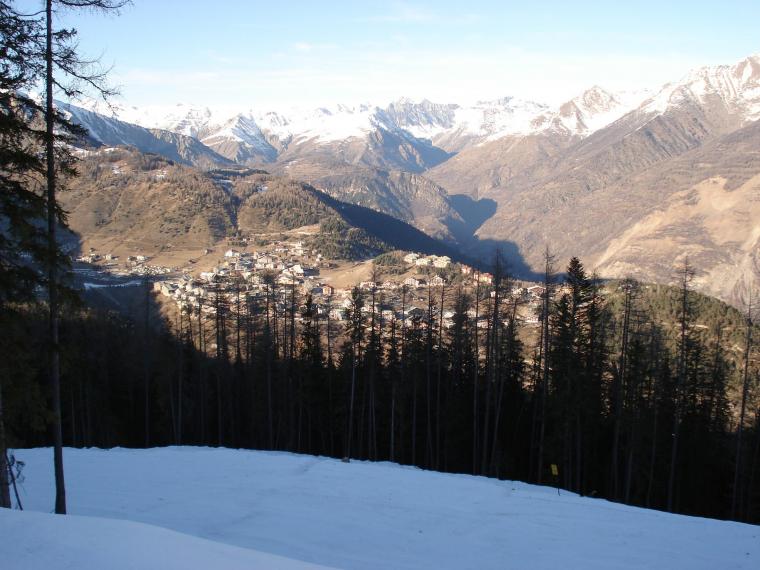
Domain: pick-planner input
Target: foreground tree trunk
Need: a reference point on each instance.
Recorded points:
(736, 495)
(5, 491)
(55, 358)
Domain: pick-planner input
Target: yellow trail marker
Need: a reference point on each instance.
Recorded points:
(555, 470)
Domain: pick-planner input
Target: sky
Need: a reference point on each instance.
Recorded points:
(248, 53)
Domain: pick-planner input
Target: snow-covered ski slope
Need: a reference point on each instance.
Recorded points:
(322, 511)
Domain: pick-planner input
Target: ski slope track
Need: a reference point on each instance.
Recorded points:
(187, 507)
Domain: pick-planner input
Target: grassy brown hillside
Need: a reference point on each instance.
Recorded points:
(126, 198)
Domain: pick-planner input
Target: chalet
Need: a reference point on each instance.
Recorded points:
(437, 281)
(411, 258)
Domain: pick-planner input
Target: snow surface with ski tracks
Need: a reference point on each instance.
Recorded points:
(193, 508)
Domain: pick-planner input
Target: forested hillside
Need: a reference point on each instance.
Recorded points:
(633, 392)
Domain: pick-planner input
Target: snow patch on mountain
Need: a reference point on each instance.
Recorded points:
(326, 124)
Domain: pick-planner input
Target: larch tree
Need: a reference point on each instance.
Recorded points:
(70, 74)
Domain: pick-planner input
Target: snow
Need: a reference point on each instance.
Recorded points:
(737, 86)
(356, 515)
(487, 120)
(41, 541)
(326, 124)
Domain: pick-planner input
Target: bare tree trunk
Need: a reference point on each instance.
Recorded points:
(618, 390)
(351, 403)
(55, 357)
(753, 470)
(392, 454)
(5, 491)
(475, 374)
(548, 269)
(685, 280)
(146, 367)
(330, 412)
(736, 495)
(439, 367)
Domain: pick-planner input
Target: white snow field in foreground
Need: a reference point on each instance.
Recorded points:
(322, 511)
(40, 541)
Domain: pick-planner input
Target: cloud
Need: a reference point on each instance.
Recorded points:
(402, 12)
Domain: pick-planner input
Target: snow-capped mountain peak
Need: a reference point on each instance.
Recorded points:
(260, 134)
(736, 86)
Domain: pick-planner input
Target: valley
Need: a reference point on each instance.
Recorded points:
(583, 178)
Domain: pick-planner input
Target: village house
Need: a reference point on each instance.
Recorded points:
(536, 291)
(413, 312)
(441, 262)
(414, 282)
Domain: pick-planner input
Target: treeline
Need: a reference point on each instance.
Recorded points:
(614, 401)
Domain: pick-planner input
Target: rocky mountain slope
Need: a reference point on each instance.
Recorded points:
(588, 197)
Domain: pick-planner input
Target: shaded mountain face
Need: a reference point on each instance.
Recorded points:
(584, 177)
(124, 197)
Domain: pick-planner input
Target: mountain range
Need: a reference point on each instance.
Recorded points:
(631, 182)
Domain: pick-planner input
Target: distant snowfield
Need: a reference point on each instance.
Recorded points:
(240, 508)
